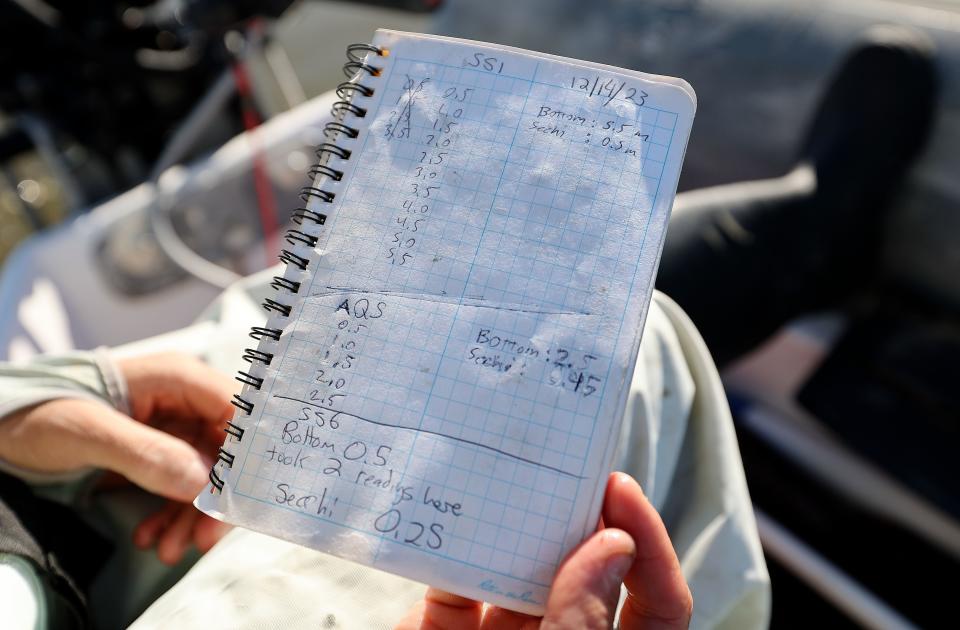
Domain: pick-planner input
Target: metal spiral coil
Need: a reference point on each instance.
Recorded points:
(334, 129)
(294, 259)
(225, 457)
(234, 431)
(215, 479)
(326, 147)
(258, 333)
(303, 214)
(242, 404)
(272, 306)
(352, 68)
(296, 236)
(323, 169)
(340, 107)
(250, 355)
(362, 49)
(309, 191)
(355, 67)
(284, 284)
(249, 379)
(348, 88)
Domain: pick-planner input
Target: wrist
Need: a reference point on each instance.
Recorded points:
(46, 442)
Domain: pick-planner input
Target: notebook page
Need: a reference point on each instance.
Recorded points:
(444, 400)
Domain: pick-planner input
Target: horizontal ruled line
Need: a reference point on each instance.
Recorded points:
(443, 298)
(439, 434)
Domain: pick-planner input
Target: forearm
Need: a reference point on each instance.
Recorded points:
(83, 375)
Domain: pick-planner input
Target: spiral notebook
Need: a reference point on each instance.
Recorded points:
(439, 387)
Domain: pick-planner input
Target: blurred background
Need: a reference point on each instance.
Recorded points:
(150, 152)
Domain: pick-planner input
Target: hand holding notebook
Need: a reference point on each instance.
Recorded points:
(446, 365)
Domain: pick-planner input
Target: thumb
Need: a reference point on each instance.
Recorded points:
(587, 587)
(153, 460)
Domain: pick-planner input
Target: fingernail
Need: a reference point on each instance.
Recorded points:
(624, 478)
(617, 567)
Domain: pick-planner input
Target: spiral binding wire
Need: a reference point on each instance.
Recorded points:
(354, 69)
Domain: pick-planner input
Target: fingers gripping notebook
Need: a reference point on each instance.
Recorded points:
(446, 364)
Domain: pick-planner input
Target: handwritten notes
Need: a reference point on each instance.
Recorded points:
(444, 398)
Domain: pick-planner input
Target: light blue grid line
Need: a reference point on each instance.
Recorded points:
(550, 85)
(480, 241)
(382, 538)
(625, 307)
(453, 465)
(452, 324)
